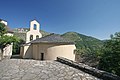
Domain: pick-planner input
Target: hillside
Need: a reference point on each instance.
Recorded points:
(24, 30)
(44, 33)
(83, 41)
(89, 48)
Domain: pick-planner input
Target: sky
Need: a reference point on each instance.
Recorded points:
(96, 18)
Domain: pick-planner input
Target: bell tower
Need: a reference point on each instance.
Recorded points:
(34, 32)
(34, 25)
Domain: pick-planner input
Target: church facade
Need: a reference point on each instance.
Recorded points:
(45, 48)
(34, 32)
(28, 34)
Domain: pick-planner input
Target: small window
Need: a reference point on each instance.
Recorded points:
(37, 36)
(31, 37)
(35, 27)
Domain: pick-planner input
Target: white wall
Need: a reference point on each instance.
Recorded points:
(7, 51)
(52, 51)
(26, 51)
(66, 51)
(33, 31)
(4, 22)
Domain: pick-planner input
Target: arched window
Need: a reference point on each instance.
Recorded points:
(31, 37)
(37, 36)
(35, 27)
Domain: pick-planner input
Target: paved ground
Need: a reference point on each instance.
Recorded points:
(19, 69)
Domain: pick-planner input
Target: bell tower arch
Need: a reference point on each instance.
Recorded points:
(34, 25)
(34, 32)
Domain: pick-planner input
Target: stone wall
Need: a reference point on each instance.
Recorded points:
(88, 59)
(93, 71)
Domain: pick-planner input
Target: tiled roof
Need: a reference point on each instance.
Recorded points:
(52, 38)
(9, 30)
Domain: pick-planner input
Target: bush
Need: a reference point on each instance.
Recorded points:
(16, 46)
(110, 60)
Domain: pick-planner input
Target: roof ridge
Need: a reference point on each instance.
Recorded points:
(47, 35)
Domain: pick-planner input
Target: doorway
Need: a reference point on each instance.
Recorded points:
(42, 56)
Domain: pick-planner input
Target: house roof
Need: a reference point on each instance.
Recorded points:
(9, 30)
(52, 38)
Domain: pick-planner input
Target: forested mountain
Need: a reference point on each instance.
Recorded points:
(83, 41)
(44, 33)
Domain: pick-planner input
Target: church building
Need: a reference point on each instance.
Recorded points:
(45, 48)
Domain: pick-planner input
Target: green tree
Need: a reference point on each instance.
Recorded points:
(3, 29)
(4, 39)
(110, 60)
(16, 46)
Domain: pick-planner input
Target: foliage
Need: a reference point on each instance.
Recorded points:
(5, 39)
(16, 46)
(110, 60)
(44, 33)
(3, 29)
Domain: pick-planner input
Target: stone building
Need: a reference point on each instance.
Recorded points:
(46, 48)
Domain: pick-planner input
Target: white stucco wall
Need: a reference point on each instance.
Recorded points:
(26, 51)
(7, 51)
(66, 51)
(33, 31)
(5, 22)
(52, 51)
(32, 23)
